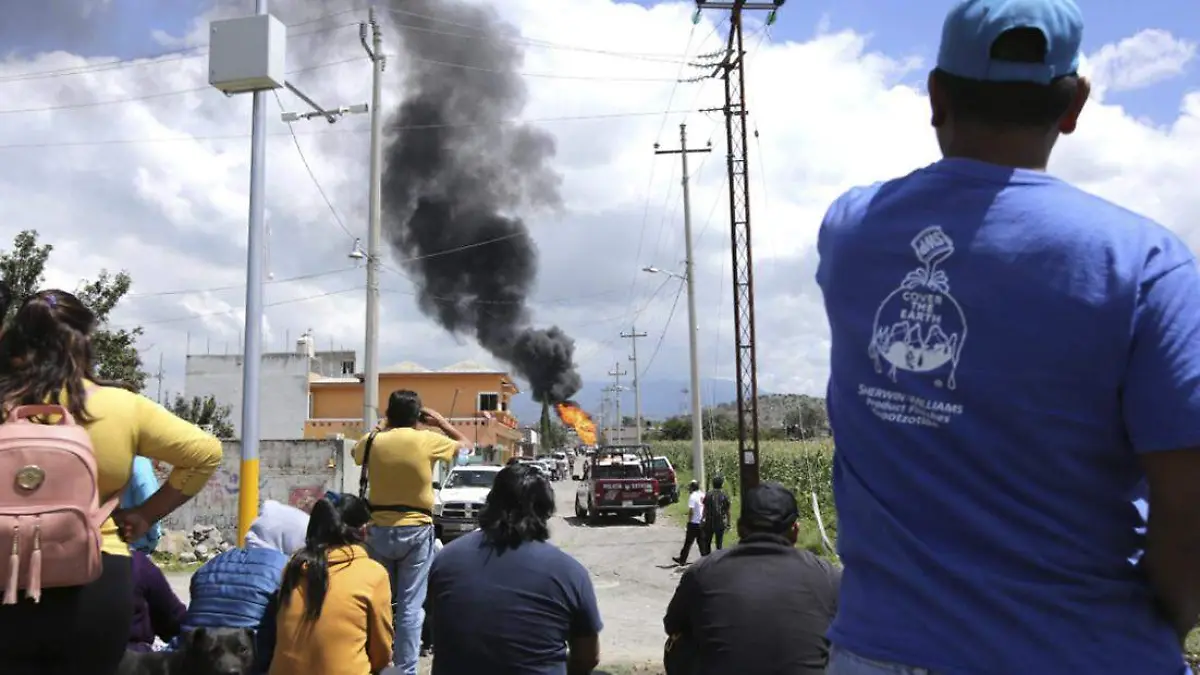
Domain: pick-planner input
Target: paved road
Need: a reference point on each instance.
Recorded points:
(631, 568)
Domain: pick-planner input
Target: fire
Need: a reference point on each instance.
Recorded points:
(574, 416)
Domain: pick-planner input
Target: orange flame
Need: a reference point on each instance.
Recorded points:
(574, 416)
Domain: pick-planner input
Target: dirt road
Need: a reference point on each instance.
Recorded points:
(631, 568)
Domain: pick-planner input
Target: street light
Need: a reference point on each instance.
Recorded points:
(694, 356)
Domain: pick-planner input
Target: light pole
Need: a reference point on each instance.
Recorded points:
(694, 356)
(375, 223)
(249, 54)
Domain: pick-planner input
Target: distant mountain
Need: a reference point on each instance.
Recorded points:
(660, 399)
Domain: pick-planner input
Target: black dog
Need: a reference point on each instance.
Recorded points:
(205, 651)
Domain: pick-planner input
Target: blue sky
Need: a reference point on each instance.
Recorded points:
(897, 27)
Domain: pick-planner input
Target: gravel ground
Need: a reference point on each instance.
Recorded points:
(631, 568)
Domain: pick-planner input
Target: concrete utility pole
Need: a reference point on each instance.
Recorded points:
(616, 373)
(375, 229)
(604, 415)
(633, 336)
(693, 320)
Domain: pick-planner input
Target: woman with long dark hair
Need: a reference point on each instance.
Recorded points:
(46, 356)
(505, 600)
(397, 459)
(335, 614)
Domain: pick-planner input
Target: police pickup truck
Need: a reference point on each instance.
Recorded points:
(458, 501)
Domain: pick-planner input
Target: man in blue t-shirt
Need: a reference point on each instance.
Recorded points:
(1011, 357)
(505, 600)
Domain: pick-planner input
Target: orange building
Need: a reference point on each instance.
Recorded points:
(474, 398)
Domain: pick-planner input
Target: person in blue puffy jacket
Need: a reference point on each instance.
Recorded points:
(238, 588)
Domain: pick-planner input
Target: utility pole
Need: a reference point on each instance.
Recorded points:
(375, 228)
(616, 373)
(633, 336)
(733, 71)
(689, 278)
(159, 376)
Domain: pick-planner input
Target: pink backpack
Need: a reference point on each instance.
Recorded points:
(50, 510)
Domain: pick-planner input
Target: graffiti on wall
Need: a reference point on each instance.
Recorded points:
(305, 496)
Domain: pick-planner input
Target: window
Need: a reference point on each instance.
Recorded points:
(488, 402)
(347, 367)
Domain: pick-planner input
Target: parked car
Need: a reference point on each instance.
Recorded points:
(616, 481)
(664, 473)
(458, 501)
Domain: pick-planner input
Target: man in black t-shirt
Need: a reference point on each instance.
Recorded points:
(758, 608)
(716, 516)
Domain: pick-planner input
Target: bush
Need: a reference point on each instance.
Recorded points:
(805, 467)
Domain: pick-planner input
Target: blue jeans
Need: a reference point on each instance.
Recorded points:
(406, 552)
(842, 662)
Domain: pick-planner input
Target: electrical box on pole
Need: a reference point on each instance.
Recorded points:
(247, 54)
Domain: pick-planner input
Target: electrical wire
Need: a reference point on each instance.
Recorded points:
(235, 310)
(663, 336)
(409, 127)
(184, 54)
(237, 287)
(161, 94)
(551, 76)
(311, 174)
(531, 42)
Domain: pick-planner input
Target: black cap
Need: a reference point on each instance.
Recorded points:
(693, 486)
(770, 507)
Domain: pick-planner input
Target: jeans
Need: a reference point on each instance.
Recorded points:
(406, 552)
(712, 534)
(842, 662)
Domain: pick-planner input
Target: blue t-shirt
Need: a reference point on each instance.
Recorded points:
(510, 612)
(1003, 347)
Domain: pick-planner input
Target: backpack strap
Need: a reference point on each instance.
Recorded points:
(363, 477)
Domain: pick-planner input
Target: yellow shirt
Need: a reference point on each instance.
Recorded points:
(353, 635)
(401, 472)
(127, 424)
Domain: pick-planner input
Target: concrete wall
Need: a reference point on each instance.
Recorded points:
(283, 401)
(291, 472)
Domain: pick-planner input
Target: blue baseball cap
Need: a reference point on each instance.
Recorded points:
(973, 26)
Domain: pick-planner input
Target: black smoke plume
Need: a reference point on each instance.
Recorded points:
(457, 172)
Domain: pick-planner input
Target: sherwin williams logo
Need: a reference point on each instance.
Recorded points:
(920, 327)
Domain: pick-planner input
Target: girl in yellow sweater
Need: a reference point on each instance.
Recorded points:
(46, 354)
(335, 615)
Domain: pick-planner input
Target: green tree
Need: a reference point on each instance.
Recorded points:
(205, 412)
(23, 268)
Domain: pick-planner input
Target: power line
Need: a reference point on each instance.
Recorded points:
(238, 287)
(311, 174)
(161, 94)
(184, 54)
(234, 310)
(531, 42)
(663, 336)
(552, 76)
(408, 127)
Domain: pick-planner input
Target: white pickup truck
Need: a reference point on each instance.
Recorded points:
(459, 500)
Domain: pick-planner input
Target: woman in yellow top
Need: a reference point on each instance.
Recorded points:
(46, 354)
(335, 603)
(400, 483)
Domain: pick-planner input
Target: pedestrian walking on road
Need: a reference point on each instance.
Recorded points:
(506, 600)
(716, 516)
(984, 478)
(47, 356)
(397, 478)
(759, 608)
(694, 533)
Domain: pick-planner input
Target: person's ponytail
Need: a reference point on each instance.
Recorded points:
(336, 520)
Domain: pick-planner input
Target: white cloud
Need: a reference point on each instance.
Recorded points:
(826, 113)
(1141, 60)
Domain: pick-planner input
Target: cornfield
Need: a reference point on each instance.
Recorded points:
(805, 467)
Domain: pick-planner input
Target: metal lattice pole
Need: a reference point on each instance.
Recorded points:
(732, 71)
